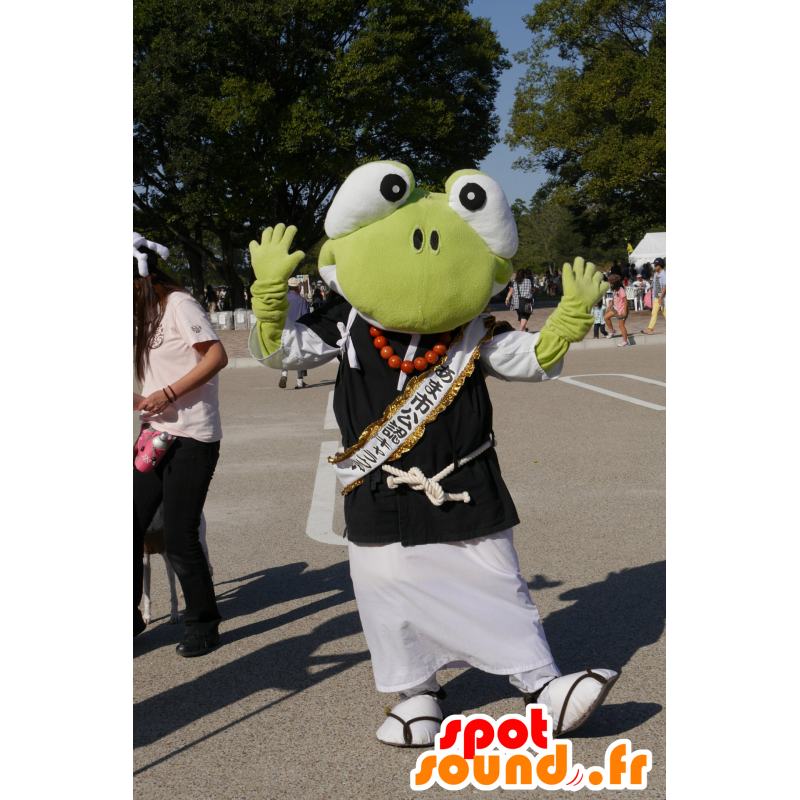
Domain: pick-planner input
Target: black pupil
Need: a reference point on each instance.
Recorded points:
(393, 187)
(417, 239)
(472, 197)
(434, 240)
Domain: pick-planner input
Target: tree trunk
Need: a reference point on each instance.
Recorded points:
(195, 260)
(235, 286)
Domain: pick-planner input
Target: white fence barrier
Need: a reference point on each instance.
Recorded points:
(240, 318)
(224, 321)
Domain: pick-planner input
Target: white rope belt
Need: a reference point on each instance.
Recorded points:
(433, 491)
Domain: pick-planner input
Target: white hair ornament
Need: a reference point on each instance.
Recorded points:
(139, 241)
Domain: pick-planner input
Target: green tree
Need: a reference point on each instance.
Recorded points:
(545, 231)
(252, 112)
(549, 236)
(591, 111)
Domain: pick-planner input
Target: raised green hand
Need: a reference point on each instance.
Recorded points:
(271, 259)
(573, 318)
(273, 265)
(583, 287)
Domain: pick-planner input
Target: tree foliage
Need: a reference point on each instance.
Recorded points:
(248, 113)
(591, 110)
(549, 237)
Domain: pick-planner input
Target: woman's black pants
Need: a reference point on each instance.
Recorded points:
(179, 482)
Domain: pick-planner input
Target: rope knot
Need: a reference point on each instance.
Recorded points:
(416, 479)
(433, 491)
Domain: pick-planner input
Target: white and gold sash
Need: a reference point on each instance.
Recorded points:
(425, 397)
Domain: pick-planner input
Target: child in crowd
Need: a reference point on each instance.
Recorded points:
(598, 319)
(618, 309)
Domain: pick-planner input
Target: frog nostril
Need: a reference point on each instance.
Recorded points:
(419, 240)
(434, 240)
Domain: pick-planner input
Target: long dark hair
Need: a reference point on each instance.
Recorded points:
(149, 301)
(519, 276)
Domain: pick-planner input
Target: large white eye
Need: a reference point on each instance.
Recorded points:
(370, 193)
(480, 201)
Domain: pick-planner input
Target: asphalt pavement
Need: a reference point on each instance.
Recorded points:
(287, 705)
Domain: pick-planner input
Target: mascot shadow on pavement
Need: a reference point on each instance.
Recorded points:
(608, 621)
(429, 518)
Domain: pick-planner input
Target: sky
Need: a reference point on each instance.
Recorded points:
(506, 17)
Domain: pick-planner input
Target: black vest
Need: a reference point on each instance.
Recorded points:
(375, 514)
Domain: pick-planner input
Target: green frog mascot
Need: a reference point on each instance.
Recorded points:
(429, 518)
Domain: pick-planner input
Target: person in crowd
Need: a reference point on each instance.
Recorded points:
(659, 295)
(648, 294)
(520, 298)
(598, 319)
(317, 298)
(616, 269)
(297, 307)
(647, 273)
(223, 298)
(177, 357)
(640, 288)
(618, 309)
(608, 297)
(211, 298)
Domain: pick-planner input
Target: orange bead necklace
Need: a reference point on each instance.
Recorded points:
(421, 363)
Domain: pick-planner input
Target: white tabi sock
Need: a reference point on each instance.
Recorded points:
(430, 685)
(535, 679)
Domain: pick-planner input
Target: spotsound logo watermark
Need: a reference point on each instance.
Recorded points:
(486, 753)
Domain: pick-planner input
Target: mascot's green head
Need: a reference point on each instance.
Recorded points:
(417, 261)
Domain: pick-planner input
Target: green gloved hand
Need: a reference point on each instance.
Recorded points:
(273, 265)
(573, 318)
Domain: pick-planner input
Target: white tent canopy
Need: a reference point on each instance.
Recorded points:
(654, 245)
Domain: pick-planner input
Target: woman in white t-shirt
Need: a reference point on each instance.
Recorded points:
(177, 356)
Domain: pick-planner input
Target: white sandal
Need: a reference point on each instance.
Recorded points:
(572, 699)
(422, 712)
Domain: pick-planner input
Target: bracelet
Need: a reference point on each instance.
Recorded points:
(166, 394)
(174, 393)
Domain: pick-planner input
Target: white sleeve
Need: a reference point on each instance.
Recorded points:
(192, 321)
(511, 357)
(300, 348)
